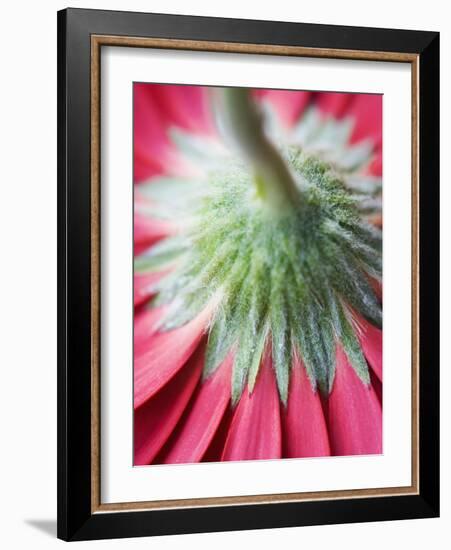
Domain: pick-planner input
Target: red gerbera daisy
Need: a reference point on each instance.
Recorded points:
(257, 274)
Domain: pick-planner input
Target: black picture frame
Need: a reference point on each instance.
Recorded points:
(76, 518)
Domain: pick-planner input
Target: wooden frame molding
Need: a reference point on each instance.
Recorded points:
(97, 41)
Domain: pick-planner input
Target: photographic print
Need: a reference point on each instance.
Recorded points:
(257, 274)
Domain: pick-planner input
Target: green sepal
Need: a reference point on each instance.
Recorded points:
(171, 191)
(196, 148)
(257, 356)
(307, 129)
(349, 341)
(218, 346)
(365, 184)
(160, 255)
(353, 285)
(356, 156)
(183, 310)
(229, 319)
(243, 356)
(313, 337)
(281, 343)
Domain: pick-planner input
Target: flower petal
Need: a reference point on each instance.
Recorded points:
(156, 419)
(288, 104)
(371, 341)
(166, 354)
(305, 429)
(366, 109)
(145, 324)
(377, 385)
(354, 413)
(148, 231)
(150, 143)
(334, 104)
(375, 167)
(153, 152)
(255, 431)
(185, 106)
(216, 447)
(203, 418)
(143, 286)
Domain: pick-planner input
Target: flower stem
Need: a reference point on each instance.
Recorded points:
(243, 124)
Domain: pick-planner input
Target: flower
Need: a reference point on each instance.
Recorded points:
(257, 328)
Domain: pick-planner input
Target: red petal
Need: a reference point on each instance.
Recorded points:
(185, 106)
(333, 103)
(305, 429)
(255, 432)
(354, 414)
(216, 447)
(150, 143)
(145, 165)
(156, 419)
(143, 286)
(377, 385)
(371, 341)
(148, 231)
(166, 355)
(366, 109)
(288, 104)
(153, 152)
(375, 167)
(144, 326)
(202, 420)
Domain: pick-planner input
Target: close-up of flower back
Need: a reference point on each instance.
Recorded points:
(258, 274)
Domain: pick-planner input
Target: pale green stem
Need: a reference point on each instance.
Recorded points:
(243, 123)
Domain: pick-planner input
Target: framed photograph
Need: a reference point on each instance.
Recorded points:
(248, 274)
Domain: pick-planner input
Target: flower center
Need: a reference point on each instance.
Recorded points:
(275, 242)
(290, 280)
